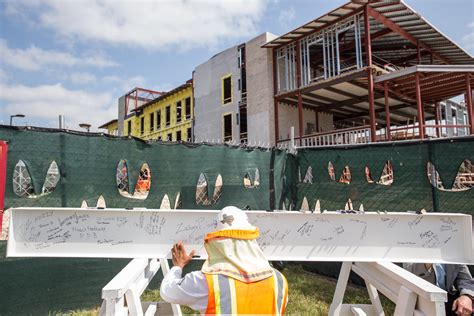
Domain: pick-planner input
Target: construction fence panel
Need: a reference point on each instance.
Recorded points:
(88, 169)
(407, 188)
(87, 165)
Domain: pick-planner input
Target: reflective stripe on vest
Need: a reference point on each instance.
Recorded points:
(229, 296)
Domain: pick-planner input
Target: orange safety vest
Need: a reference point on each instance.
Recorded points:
(230, 296)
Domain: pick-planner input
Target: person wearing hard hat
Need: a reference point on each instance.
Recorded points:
(235, 279)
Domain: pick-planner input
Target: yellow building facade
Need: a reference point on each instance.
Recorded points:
(168, 117)
(111, 127)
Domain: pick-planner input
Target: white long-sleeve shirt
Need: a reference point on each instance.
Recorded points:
(190, 291)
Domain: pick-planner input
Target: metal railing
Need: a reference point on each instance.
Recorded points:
(347, 136)
(412, 131)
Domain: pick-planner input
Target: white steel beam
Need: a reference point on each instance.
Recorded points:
(294, 236)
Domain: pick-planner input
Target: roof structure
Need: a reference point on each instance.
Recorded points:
(415, 29)
(164, 95)
(437, 81)
(108, 123)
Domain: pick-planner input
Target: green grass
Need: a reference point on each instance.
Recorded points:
(309, 294)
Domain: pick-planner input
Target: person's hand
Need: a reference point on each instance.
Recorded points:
(463, 305)
(179, 256)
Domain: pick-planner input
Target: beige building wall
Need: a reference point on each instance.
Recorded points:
(288, 117)
(260, 111)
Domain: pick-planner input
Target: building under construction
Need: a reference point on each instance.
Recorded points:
(378, 68)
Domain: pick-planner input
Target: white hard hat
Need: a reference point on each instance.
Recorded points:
(231, 217)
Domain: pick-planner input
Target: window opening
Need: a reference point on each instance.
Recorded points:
(158, 119)
(243, 82)
(286, 68)
(227, 89)
(142, 125)
(152, 121)
(454, 118)
(330, 52)
(187, 103)
(178, 136)
(243, 125)
(129, 127)
(227, 128)
(168, 115)
(189, 134)
(178, 111)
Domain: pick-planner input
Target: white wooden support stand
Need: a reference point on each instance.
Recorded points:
(121, 296)
(412, 295)
(166, 269)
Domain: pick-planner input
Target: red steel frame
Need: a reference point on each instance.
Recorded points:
(387, 109)
(3, 178)
(370, 75)
(298, 84)
(468, 96)
(133, 94)
(275, 101)
(390, 26)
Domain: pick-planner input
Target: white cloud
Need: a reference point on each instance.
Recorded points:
(286, 17)
(157, 25)
(3, 75)
(82, 78)
(35, 58)
(468, 39)
(46, 102)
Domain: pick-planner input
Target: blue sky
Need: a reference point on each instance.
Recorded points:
(77, 57)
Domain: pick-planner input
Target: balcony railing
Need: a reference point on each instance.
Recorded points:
(412, 131)
(347, 136)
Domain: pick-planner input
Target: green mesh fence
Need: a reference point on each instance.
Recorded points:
(88, 169)
(411, 188)
(88, 166)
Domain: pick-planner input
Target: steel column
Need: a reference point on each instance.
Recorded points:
(298, 84)
(437, 119)
(419, 106)
(370, 75)
(3, 176)
(300, 116)
(368, 47)
(470, 110)
(387, 110)
(275, 101)
(316, 114)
